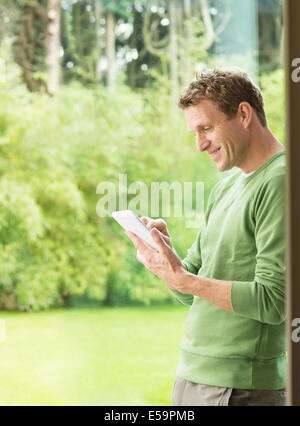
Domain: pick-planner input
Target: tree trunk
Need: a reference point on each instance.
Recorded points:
(29, 50)
(131, 67)
(110, 49)
(173, 50)
(53, 46)
(186, 61)
(209, 29)
(98, 8)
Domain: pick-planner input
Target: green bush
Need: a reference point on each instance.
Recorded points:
(53, 154)
(272, 85)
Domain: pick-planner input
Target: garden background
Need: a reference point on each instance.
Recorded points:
(88, 91)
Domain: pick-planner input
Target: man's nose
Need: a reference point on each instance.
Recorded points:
(202, 143)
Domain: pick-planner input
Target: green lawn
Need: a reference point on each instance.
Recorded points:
(91, 356)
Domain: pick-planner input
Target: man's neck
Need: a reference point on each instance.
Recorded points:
(262, 147)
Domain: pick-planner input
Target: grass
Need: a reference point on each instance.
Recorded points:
(88, 356)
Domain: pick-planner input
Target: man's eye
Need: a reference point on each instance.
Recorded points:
(206, 129)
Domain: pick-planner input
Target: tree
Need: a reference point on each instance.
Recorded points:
(53, 46)
(137, 67)
(98, 36)
(29, 46)
(110, 48)
(113, 9)
(87, 53)
(270, 27)
(173, 49)
(37, 44)
(195, 36)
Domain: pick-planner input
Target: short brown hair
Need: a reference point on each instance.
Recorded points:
(227, 87)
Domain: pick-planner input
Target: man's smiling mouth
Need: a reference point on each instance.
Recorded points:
(215, 152)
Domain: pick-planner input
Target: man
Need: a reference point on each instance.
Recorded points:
(233, 350)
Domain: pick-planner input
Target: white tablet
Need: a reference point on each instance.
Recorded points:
(131, 222)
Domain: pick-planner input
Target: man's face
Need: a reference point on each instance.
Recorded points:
(224, 139)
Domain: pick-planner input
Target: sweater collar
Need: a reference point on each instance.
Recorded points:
(247, 179)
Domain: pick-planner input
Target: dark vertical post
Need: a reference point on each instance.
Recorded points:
(292, 62)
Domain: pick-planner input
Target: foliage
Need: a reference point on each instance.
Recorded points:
(272, 85)
(52, 156)
(54, 153)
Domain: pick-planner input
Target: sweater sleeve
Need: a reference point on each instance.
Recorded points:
(263, 299)
(192, 263)
(193, 260)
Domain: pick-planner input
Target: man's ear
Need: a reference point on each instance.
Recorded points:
(245, 111)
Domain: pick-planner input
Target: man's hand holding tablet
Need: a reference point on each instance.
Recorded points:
(156, 254)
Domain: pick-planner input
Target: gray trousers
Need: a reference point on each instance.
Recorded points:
(187, 393)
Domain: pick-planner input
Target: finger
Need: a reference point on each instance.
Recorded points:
(137, 242)
(140, 258)
(167, 240)
(145, 219)
(158, 238)
(159, 224)
(150, 223)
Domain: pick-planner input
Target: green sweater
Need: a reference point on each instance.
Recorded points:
(242, 240)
